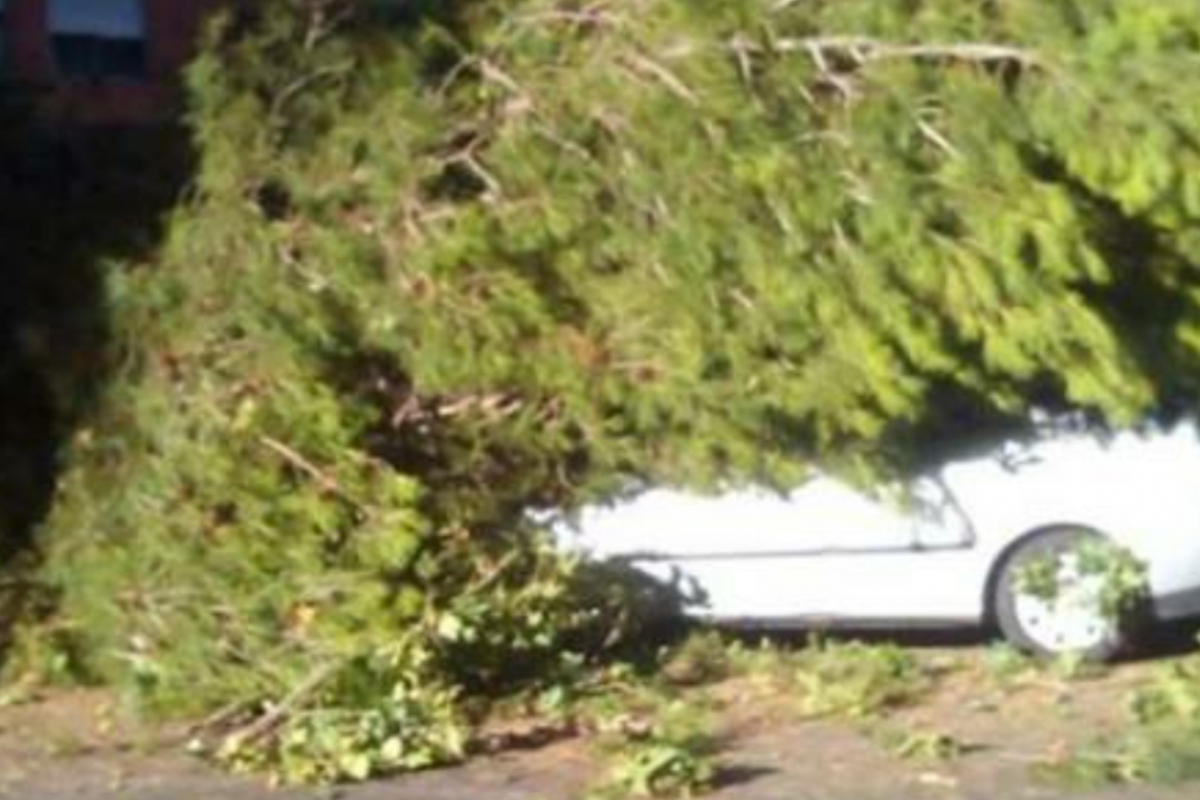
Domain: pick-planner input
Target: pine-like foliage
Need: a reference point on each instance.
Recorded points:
(443, 267)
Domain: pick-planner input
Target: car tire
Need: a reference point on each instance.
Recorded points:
(1053, 628)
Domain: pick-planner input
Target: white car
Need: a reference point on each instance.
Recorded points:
(952, 554)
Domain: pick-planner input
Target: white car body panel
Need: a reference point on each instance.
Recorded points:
(826, 554)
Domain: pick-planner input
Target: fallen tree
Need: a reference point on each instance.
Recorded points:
(442, 267)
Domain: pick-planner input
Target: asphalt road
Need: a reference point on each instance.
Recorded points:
(55, 750)
(771, 773)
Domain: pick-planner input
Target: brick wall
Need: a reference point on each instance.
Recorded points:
(172, 27)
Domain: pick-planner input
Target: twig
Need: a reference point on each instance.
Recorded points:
(937, 139)
(568, 146)
(218, 719)
(865, 50)
(741, 51)
(524, 736)
(489, 577)
(322, 24)
(491, 73)
(594, 17)
(452, 76)
(265, 725)
(467, 160)
(326, 481)
(493, 407)
(649, 68)
(289, 92)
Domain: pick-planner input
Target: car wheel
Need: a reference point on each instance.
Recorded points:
(1071, 622)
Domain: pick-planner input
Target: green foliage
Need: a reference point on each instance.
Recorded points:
(1007, 669)
(1161, 743)
(884, 223)
(857, 680)
(654, 769)
(1173, 694)
(836, 678)
(673, 756)
(1121, 577)
(921, 745)
(702, 658)
(414, 726)
(231, 524)
(446, 267)
(1006, 666)
(767, 664)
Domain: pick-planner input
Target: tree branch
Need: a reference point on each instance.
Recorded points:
(649, 68)
(277, 715)
(324, 480)
(864, 50)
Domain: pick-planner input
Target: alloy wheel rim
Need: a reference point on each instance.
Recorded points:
(1071, 621)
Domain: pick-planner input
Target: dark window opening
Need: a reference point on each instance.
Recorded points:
(84, 57)
(98, 40)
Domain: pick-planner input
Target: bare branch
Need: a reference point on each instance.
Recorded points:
(937, 139)
(649, 68)
(323, 479)
(277, 715)
(741, 50)
(491, 408)
(492, 73)
(864, 50)
(306, 81)
(595, 16)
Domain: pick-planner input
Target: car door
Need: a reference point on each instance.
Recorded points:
(822, 552)
(932, 576)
